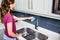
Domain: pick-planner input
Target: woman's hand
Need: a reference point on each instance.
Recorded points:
(19, 35)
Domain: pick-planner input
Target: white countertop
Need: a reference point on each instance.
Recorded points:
(22, 24)
(51, 35)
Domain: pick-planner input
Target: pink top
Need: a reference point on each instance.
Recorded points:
(6, 19)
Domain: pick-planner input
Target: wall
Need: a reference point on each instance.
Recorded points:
(47, 23)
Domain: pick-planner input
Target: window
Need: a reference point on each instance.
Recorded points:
(56, 6)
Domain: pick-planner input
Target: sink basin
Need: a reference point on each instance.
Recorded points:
(32, 34)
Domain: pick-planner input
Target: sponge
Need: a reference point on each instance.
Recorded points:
(33, 18)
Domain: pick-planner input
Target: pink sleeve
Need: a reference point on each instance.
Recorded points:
(9, 18)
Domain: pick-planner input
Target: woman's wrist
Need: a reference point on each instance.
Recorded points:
(29, 17)
(19, 35)
(16, 35)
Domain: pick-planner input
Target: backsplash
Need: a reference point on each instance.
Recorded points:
(47, 23)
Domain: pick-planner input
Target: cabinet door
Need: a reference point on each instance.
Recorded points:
(21, 5)
(38, 6)
(42, 6)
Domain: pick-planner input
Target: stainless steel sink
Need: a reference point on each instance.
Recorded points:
(32, 34)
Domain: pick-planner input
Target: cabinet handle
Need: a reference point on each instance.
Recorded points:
(28, 4)
(31, 4)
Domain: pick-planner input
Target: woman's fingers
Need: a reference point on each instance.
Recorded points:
(20, 35)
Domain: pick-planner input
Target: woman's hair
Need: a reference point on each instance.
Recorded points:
(5, 7)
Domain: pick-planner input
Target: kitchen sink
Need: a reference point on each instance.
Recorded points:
(31, 34)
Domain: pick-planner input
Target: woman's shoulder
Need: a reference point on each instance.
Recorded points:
(8, 15)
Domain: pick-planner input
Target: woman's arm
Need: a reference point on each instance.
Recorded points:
(10, 32)
(21, 18)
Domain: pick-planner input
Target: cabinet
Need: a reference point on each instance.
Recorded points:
(21, 5)
(42, 6)
(24, 5)
(36, 7)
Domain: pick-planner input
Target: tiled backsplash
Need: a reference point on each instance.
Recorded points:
(48, 23)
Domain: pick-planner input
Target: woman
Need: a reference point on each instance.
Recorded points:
(9, 20)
